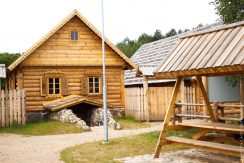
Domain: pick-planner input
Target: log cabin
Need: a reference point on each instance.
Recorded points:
(67, 62)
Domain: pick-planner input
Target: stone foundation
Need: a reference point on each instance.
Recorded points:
(36, 116)
(117, 112)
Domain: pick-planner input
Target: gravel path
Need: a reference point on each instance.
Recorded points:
(46, 149)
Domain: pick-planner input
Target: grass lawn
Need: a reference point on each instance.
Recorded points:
(119, 148)
(43, 128)
(129, 122)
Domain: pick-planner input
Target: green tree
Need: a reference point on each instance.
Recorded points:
(172, 32)
(7, 58)
(230, 11)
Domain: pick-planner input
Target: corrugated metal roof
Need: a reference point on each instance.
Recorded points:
(2, 71)
(219, 50)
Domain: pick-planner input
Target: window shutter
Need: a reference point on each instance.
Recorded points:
(64, 86)
(84, 85)
(101, 85)
(43, 86)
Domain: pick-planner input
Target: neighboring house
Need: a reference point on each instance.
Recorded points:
(152, 96)
(68, 62)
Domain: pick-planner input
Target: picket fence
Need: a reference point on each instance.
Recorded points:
(12, 107)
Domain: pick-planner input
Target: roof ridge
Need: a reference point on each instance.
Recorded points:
(218, 27)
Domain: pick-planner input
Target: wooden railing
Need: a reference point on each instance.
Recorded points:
(221, 110)
(12, 107)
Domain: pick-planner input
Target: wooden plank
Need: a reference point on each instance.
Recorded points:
(18, 106)
(208, 146)
(200, 134)
(205, 97)
(0, 107)
(6, 108)
(23, 110)
(242, 96)
(3, 108)
(145, 91)
(168, 115)
(11, 107)
(231, 128)
(15, 107)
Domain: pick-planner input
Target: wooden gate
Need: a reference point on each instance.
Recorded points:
(158, 101)
(12, 107)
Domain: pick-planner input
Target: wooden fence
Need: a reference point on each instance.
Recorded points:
(158, 101)
(12, 107)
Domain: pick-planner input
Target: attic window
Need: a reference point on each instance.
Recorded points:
(74, 35)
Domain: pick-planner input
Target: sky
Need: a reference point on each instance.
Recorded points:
(23, 22)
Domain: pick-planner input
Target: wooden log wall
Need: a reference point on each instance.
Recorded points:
(75, 84)
(12, 107)
(59, 49)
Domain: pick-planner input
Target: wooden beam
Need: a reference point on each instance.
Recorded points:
(205, 98)
(200, 134)
(145, 92)
(205, 84)
(242, 95)
(172, 101)
(168, 115)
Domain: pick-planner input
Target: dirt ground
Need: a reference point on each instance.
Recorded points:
(46, 149)
(183, 156)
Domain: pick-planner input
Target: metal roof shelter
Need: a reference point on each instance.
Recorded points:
(214, 52)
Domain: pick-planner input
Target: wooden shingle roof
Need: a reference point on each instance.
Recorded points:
(150, 55)
(218, 51)
(60, 25)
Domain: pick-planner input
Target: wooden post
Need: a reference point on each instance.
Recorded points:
(7, 107)
(205, 84)
(205, 98)
(15, 106)
(11, 107)
(168, 115)
(216, 107)
(145, 90)
(0, 107)
(3, 108)
(182, 96)
(23, 109)
(242, 95)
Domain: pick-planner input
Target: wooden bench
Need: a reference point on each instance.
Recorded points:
(207, 146)
(229, 128)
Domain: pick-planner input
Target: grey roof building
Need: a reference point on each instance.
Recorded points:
(150, 55)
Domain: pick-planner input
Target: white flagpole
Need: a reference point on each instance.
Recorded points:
(104, 83)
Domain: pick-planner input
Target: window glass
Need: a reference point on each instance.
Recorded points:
(53, 86)
(94, 85)
(74, 35)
